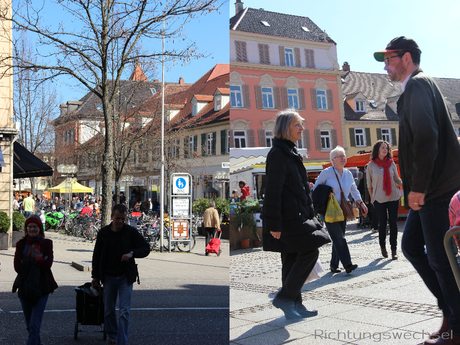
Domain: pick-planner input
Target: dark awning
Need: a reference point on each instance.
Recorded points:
(27, 164)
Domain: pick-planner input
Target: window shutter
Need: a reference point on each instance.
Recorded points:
(261, 53)
(379, 134)
(314, 101)
(277, 96)
(232, 143)
(352, 137)
(203, 144)
(394, 142)
(241, 52)
(306, 139)
(309, 58)
(261, 135)
(282, 56)
(246, 97)
(333, 138)
(264, 56)
(186, 141)
(301, 92)
(223, 141)
(368, 136)
(318, 139)
(330, 104)
(214, 139)
(284, 96)
(251, 139)
(297, 57)
(259, 102)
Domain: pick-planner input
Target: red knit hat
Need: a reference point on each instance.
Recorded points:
(35, 220)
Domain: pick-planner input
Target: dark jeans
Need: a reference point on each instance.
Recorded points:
(372, 216)
(209, 235)
(339, 244)
(422, 244)
(294, 273)
(33, 314)
(392, 208)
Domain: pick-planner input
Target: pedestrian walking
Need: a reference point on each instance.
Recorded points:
(340, 179)
(117, 244)
(32, 262)
(429, 162)
(29, 205)
(289, 223)
(383, 182)
(211, 222)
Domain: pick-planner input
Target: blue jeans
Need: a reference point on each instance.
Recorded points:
(33, 314)
(114, 286)
(339, 244)
(422, 244)
(381, 210)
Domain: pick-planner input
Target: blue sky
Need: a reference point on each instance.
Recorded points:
(211, 34)
(361, 27)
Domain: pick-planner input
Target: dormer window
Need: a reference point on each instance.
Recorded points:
(99, 107)
(360, 105)
(265, 23)
(153, 91)
(217, 103)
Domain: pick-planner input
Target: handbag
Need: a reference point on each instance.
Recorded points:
(334, 212)
(347, 207)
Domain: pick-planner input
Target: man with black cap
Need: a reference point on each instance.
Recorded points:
(429, 161)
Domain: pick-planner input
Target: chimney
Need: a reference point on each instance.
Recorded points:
(238, 6)
(63, 108)
(346, 67)
(181, 81)
(156, 81)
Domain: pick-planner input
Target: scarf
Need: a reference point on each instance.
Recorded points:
(385, 164)
(32, 249)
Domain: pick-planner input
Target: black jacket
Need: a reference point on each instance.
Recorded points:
(287, 202)
(429, 150)
(321, 197)
(132, 240)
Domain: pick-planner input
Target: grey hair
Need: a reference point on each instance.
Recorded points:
(282, 122)
(333, 153)
(212, 204)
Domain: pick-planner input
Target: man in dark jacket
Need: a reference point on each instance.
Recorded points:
(429, 163)
(117, 245)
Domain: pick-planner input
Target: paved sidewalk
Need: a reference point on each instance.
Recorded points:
(382, 302)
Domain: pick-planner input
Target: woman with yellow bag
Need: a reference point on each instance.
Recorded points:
(342, 183)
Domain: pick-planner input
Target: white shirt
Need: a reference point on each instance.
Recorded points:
(347, 181)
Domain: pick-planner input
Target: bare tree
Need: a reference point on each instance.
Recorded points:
(35, 105)
(101, 32)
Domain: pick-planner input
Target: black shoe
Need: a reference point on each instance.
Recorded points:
(350, 268)
(288, 308)
(335, 270)
(304, 312)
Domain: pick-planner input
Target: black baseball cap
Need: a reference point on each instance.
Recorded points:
(401, 43)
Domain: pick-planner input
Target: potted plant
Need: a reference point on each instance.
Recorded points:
(4, 227)
(18, 226)
(241, 220)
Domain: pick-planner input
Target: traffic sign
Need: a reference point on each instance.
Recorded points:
(181, 185)
(180, 229)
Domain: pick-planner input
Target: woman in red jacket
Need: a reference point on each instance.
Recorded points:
(245, 191)
(32, 261)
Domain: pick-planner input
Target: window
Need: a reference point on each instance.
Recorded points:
(293, 98)
(309, 58)
(241, 51)
(269, 138)
(240, 139)
(209, 143)
(325, 140)
(217, 103)
(264, 54)
(359, 137)
(267, 97)
(236, 96)
(289, 55)
(228, 141)
(45, 159)
(360, 105)
(386, 134)
(195, 109)
(321, 99)
(174, 149)
(192, 145)
(299, 144)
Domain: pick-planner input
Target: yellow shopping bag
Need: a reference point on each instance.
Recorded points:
(334, 211)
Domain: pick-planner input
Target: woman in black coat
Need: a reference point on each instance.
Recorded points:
(289, 217)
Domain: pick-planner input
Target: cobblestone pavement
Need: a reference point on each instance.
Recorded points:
(383, 301)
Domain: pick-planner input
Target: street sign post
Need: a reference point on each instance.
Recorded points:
(181, 208)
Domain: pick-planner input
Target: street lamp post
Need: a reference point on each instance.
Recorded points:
(68, 171)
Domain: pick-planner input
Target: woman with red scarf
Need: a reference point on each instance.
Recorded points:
(32, 261)
(383, 181)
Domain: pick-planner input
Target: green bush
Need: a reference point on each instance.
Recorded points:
(200, 205)
(18, 221)
(4, 222)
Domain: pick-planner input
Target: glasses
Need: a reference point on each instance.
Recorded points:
(387, 60)
(33, 227)
(340, 157)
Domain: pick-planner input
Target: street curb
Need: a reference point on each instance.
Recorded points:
(81, 267)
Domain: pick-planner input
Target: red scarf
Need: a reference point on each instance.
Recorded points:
(385, 164)
(33, 249)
